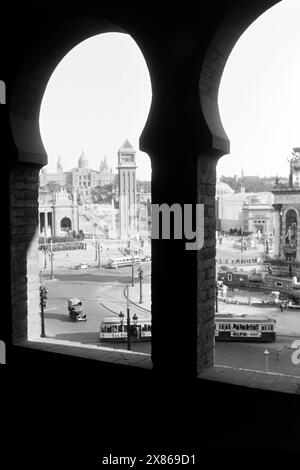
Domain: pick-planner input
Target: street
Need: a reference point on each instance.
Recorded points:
(102, 294)
(251, 355)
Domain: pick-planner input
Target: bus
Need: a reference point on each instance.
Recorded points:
(229, 327)
(123, 261)
(114, 330)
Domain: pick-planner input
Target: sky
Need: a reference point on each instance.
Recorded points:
(259, 95)
(100, 94)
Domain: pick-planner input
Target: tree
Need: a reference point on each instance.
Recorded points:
(53, 187)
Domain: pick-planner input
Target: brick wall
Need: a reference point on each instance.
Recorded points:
(206, 264)
(24, 252)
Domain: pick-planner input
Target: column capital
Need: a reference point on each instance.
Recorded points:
(277, 207)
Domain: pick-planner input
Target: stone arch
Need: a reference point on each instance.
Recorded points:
(217, 145)
(29, 157)
(218, 51)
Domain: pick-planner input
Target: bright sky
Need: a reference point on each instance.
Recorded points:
(259, 96)
(98, 96)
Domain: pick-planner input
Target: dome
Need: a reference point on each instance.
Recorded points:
(223, 188)
(83, 161)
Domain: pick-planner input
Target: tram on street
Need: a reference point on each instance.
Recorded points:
(123, 261)
(229, 327)
(113, 329)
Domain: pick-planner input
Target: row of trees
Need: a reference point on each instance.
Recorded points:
(69, 237)
(252, 184)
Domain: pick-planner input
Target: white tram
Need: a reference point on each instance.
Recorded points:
(229, 327)
(113, 329)
(123, 261)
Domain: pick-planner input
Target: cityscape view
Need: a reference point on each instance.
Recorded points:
(95, 234)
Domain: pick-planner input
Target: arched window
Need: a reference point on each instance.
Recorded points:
(92, 114)
(66, 224)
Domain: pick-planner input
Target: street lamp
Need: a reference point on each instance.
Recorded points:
(135, 319)
(45, 250)
(141, 275)
(51, 254)
(43, 299)
(266, 354)
(242, 231)
(132, 268)
(128, 321)
(121, 316)
(99, 255)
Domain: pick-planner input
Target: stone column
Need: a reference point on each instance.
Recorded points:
(277, 225)
(298, 241)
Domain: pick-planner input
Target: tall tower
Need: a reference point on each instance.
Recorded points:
(59, 167)
(127, 190)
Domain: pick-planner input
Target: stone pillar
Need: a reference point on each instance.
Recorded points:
(298, 241)
(277, 223)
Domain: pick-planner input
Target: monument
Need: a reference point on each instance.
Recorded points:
(127, 191)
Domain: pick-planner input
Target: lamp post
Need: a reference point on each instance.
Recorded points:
(135, 319)
(121, 316)
(266, 354)
(128, 322)
(132, 268)
(45, 249)
(242, 231)
(96, 248)
(99, 257)
(141, 275)
(43, 299)
(51, 259)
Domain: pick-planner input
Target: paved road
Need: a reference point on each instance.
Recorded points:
(102, 295)
(251, 355)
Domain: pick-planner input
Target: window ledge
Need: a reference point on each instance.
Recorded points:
(99, 353)
(253, 378)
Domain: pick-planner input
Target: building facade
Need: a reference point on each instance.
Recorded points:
(287, 211)
(58, 213)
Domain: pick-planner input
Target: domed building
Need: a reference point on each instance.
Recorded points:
(83, 161)
(83, 179)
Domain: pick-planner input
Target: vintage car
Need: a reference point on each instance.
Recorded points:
(75, 309)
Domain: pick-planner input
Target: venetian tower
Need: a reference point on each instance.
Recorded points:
(127, 190)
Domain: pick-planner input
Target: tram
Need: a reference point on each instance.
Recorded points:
(114, 330)
(229, 327)
(123, 261)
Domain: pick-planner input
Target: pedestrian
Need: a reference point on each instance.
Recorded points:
(278, 352)
(280, 306)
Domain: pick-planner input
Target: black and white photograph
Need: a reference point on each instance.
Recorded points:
(150, 237)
